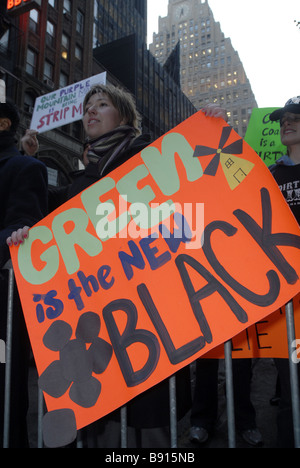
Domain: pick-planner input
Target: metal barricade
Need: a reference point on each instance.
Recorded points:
(291, 335)
(8, 355)
(172, 385)
(229, 394)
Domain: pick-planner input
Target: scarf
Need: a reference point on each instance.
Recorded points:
(105, 150)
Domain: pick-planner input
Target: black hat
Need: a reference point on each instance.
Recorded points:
(10, 111)
(293, 106)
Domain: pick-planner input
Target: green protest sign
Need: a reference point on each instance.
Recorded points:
(263, 136)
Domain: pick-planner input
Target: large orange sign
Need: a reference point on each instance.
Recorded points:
(175, 252)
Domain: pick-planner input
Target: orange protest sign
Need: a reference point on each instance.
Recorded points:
(173, 253)
(265, 339)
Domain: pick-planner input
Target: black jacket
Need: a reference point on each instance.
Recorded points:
(287, 177)
(23, 191)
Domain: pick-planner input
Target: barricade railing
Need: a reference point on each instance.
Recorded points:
(291, 336)
(8, 354)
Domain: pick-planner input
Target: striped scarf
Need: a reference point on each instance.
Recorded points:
(105, 150)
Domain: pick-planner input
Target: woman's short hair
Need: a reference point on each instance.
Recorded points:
(122, 100)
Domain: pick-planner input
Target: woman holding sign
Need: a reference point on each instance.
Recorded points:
(111, 123)
(286, 172)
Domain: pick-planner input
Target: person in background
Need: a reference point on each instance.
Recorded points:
(286, 172)
(23, 192)
(23, 182)
(56, 195)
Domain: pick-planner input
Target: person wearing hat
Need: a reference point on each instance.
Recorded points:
(289, 119)
(23, 193)
(286, 172)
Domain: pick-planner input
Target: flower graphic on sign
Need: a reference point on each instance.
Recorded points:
(234, 168)
(79, 359)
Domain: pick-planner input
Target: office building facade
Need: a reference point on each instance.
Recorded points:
(53, 49)
(119, 39)
(210, 69)
(60, 42)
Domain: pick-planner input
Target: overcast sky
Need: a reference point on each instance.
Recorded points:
(265, 35)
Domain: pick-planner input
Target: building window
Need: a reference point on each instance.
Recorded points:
(78, 53)
(67, 6)
(63, 80)
(34, 20)
(4, 41)
(50, 34)
(29, 100)
(48, 71)
(65, 45)
(31, 62)
(80, 23)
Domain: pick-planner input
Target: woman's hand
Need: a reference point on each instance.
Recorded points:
(30, 142)
(213, 110)
(18, 237)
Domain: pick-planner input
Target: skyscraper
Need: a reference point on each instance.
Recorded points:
(114, 19)
(119, 39)
(210, 69)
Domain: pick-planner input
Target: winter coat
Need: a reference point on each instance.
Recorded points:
(23, 191)
(287, 176)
